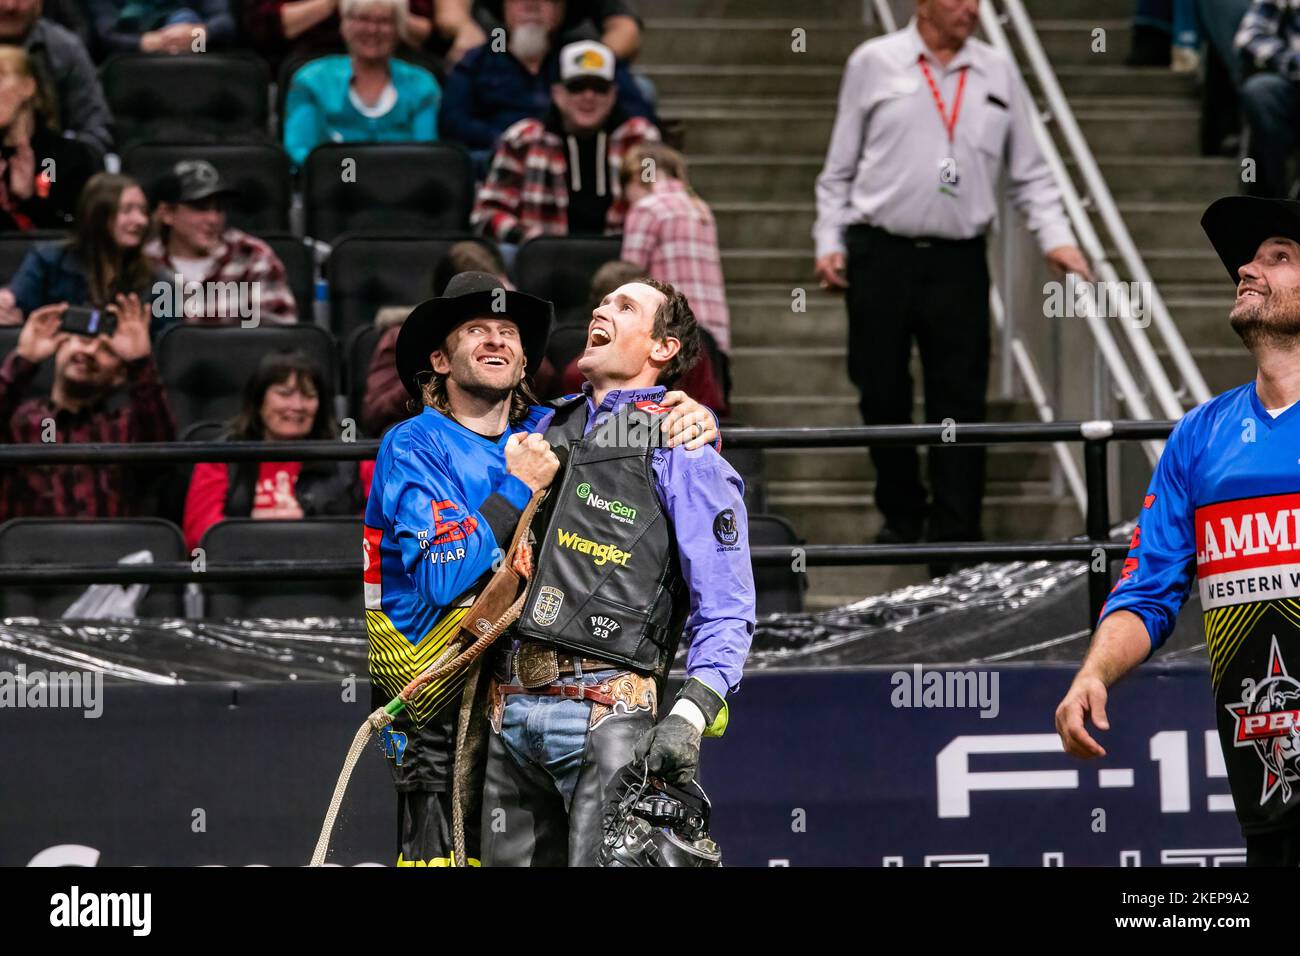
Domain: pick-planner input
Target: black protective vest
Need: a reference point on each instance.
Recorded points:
(606, 578)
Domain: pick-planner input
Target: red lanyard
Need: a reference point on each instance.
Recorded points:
(949, 122)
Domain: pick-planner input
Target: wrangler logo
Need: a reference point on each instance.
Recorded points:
(600, 553)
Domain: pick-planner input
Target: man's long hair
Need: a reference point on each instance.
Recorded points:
(433, 391)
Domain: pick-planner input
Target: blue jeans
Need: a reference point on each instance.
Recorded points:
(546, 736)
(1176, 17)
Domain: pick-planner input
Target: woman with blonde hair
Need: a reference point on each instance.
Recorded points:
(41, 172)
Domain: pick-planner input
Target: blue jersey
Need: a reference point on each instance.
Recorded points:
(442, 508)
(1223, 508)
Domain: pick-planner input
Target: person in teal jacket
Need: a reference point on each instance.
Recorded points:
(365, 95)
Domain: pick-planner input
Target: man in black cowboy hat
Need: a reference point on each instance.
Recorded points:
(449, 488)
(1224, 506)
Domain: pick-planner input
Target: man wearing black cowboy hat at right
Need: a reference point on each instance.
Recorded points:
(1224, 508)
(449, 488)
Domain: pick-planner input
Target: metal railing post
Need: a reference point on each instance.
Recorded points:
(1097, 522)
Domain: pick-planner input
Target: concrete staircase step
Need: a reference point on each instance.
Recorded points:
(748, 9)
(732, 178)
(849, 519)
(1075, 41)
(796, 369)
(747, 225)
(673, 80)
(794, 266)
(1040, 10)
(1203, 319)
(762, 133)
(748, 42)
(1223, 367)
(769, 320)
(1099, 79)
(1172, 132)
(1006, 463)
(1165, 224)
(1140, 178)
(764, 410)
(1179, 265)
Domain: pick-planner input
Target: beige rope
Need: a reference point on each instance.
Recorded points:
(375, 722)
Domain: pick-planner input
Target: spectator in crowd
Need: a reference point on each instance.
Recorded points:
(63, 68)
(161, 26)
(287, 398)
(194, 244)
(366, 96)
(701, 381)
(1223, 76)
(671, 234)
(386, 400)
(101, 258)
(534, 187)
(1166, 33)
(1268, 41)
(71, 15)
(106, 389)
(490, 90)
(41, 172)
(906, 196)
(615, 23)
(287, 29)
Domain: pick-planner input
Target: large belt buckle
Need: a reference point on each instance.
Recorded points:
(536, 665)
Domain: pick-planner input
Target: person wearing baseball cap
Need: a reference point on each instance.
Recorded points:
(194, 244)
(450, 485)
(580, 144)
(1221, 510)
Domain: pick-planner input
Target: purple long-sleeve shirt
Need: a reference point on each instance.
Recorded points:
(697, 488)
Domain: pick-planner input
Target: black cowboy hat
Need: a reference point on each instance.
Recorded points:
(1237, 225)
(469, 295)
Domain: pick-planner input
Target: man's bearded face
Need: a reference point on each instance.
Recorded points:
(1267, 310)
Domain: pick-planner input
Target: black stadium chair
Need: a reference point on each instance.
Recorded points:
(421, 188)
(560, 268)
(201, 431)
(780, 589)
(14, 247)
(36, 541)
(238, 540)
(259, 171)
(204, 367)
(357, 351)
(749, 464)
(368, 272)
(44, 377)
(197, 98)
(565, 344)
(299, 258)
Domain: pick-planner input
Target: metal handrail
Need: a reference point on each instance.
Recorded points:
(1101, 196)
(1097, 325)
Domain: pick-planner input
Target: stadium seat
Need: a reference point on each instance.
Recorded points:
(749, 464)
(565, 344)
(198, 98)
(560, 268)
(368, 272)
(204, 368)
(356, 361)
(259, 171)
(247, 539)
(420, 188)
(202, 431)
(44, 378)
(14, 247)
(299, 258)
(780, 589)
(32, 542)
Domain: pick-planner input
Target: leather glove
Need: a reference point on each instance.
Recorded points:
(670, 749)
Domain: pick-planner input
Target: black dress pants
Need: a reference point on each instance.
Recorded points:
(935, 292)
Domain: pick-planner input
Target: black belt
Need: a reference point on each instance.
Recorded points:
(919, 242)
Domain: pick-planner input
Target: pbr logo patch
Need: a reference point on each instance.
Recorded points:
(724, 529)
(547, 608)
(603, 627)
(1268, 719)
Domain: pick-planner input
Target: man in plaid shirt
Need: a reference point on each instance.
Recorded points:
(560, 175)
(106, 389)
(671, 234)
(240, 275)
(1268, 41)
